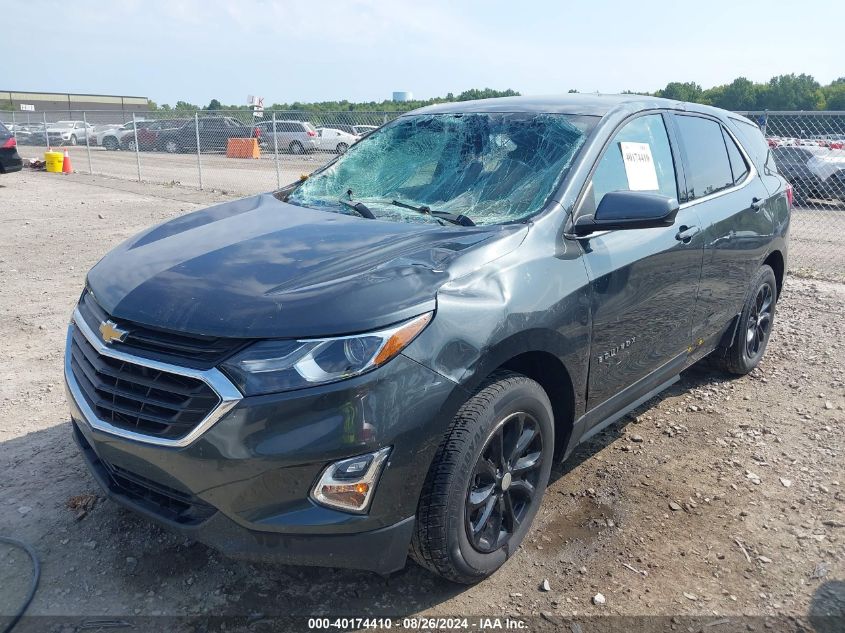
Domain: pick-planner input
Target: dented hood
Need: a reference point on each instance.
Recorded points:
(258, 268)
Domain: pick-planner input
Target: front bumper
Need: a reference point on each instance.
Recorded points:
(243, 486)
(383, 550)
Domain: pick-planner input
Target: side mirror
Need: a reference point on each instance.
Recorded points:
(620, 210)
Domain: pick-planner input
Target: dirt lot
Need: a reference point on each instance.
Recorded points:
(722, 498)
(233, 175)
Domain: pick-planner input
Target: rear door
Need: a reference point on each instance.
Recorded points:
(644, 281)
(738, 222)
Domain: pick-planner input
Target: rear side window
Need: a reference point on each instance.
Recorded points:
(639, 158)
(3, 128)
(710, 168)
(738, 165)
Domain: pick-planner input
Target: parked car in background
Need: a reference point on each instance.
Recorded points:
(10, 160)
(116, 138)
(813, 172)
(214, 133)
(22, 133)
(333, 140)
(363, 130)
(152, 136)
(69, 132)
(343, 127)
(296, 137)
(390, 356)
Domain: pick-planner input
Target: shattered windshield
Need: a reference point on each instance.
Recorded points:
(491, 168)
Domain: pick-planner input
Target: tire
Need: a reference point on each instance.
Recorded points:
(111, 143)
(131, 145)
(341, 148)
(452, 537)
(73, 140)
(296, 148)
(171, 146)
(755, 326)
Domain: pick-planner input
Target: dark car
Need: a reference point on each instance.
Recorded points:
(153, 135)
(10, 161)
(814, 172)
(213, 133)
(390, 355)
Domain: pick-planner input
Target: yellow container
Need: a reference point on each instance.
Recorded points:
(54, 161)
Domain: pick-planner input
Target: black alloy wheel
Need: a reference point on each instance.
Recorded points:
(504, 482)
(487, 479)
(754, 329)
(759, 321)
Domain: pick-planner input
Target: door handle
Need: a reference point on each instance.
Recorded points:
(757, 204)
(686, 233)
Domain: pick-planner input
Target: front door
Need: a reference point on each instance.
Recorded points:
(644, 282)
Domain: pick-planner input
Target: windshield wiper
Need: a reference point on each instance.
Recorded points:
(460, 220)
(358, 207)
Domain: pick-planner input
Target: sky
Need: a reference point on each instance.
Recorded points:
(363, 50)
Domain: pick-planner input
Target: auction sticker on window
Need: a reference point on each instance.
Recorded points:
(639, 166)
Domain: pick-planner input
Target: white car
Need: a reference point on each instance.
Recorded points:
(112, 138)
(363, 130)
(69, 132)
(332, 140)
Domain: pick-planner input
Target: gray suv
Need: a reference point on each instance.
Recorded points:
(296, 137)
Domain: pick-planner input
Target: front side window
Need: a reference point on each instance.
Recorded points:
(639, 158)
(492, 168)
(710, 168)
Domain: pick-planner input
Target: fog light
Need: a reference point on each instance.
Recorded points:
(349, 484)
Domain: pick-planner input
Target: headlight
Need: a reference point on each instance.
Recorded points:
(273, 366)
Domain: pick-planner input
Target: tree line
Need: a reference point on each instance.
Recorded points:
(783, 92)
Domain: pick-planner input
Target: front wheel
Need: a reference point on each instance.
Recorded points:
(486, 481)
(171, 147)
(755, 326)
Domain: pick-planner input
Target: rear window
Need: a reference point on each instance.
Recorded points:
(738, 164)
(3, 128)
(710, 168)
(752, 140)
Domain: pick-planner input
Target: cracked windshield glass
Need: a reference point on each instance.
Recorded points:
(470, 168)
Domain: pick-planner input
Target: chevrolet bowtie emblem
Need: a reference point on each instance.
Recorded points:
(111, 333)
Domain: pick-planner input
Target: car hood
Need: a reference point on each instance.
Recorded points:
(262, 268)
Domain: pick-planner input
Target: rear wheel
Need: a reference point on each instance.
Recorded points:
(131, 145)
(486, 481)
(171, 146)
(755, 326)
(73, 140)
(110, 143)
(296, 148)
(341, 148)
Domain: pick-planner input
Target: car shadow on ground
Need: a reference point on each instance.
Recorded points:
(697, 376)
(123, 558)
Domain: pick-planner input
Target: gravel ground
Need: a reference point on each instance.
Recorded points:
(722, 497)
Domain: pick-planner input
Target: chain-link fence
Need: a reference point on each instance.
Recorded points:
(231, 151)
(809, 150)
(239, 153)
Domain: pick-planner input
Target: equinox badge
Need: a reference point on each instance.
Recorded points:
(111, 333)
